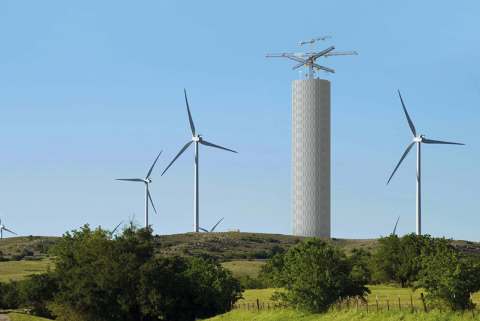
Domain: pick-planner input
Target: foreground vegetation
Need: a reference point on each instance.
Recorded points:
(135, 276)
(98, 278)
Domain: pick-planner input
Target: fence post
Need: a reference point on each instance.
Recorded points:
(357, 302)
(471, 302)
(340, 302)
(348, 302)
(376, 299)
(388, 304)
(423, 301)
(366, 302)
(263, 307)
(411, 300)
(231, 305)
(455, 301)
(258, 306)
(399, 305)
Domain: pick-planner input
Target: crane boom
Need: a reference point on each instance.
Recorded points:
(341, 53)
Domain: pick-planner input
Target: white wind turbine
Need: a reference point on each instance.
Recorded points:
(197, 139)
(418, 140)
(111, 233)
(207, 231)
(147, 180)
(2, 227)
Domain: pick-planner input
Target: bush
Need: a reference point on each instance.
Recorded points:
(447, 278)
(100, 279)
(314, 274)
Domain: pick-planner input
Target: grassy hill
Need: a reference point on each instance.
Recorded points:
(216, 245)
(221, 244)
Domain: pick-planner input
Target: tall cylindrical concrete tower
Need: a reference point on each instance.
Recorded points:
(311, 157)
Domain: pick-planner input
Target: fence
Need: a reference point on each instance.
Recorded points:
(368, 304)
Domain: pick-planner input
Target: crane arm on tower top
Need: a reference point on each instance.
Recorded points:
(313, 40)
(341, 53)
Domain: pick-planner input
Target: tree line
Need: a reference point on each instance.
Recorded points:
(315, 274)
(98, 278)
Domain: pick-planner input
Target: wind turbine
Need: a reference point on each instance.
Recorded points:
(206, 231)
(418, 140)
(111, 233)
(147, 180)
(2, 227)
(197, 139)
(395, 228)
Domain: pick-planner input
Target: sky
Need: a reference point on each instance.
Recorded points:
(92, 91)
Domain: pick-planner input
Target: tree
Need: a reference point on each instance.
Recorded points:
(395, 260)
(98, 278)
(447, 278)
(314, 274)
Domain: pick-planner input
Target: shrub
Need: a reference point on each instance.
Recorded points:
(447, 279)
(314, 274)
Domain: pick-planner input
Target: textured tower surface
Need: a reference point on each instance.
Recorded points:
(311, 157)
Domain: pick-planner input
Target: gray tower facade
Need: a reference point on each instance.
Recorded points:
(311, 157)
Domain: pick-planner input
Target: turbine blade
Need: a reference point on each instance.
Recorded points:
(412, 128)
(9, 231)
(431, 141)
(150, 198)
(203, 229)
(192, 126)
(178, 155)
(401, 160)
(204, 142)
(396, 225)
(115, 228)
(131, 179)
(150, 171)
(217, 224)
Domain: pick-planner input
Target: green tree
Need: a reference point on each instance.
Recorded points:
(314, 274)
(447, 278)
(395, 260)
(121, 279)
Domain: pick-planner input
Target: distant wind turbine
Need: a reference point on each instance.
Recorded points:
(111, 233)
(197, 139)
(2, 227)
(147, 180)
(396, 225)
(206, 231)
(418, 140)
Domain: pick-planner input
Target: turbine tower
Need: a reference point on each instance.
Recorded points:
(311, 144)
(147, 180)
(418, 140)
(2, 227)
(197, 139)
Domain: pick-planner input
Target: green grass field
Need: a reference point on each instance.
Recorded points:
(378, 291)
(17, 270)
(343, 315)
(243, 268)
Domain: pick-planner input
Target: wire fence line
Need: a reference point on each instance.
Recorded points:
(369, 304)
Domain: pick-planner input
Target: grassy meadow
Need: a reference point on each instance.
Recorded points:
(18, 270)
(343, 315)
(244, 268)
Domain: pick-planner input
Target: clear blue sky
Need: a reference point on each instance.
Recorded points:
(91, 91)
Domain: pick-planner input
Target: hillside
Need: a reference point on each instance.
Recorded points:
(218, 244)
(222, 244)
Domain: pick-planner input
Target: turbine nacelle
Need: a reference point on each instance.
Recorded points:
(147, 180)
(197, 138)
(419, 138)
